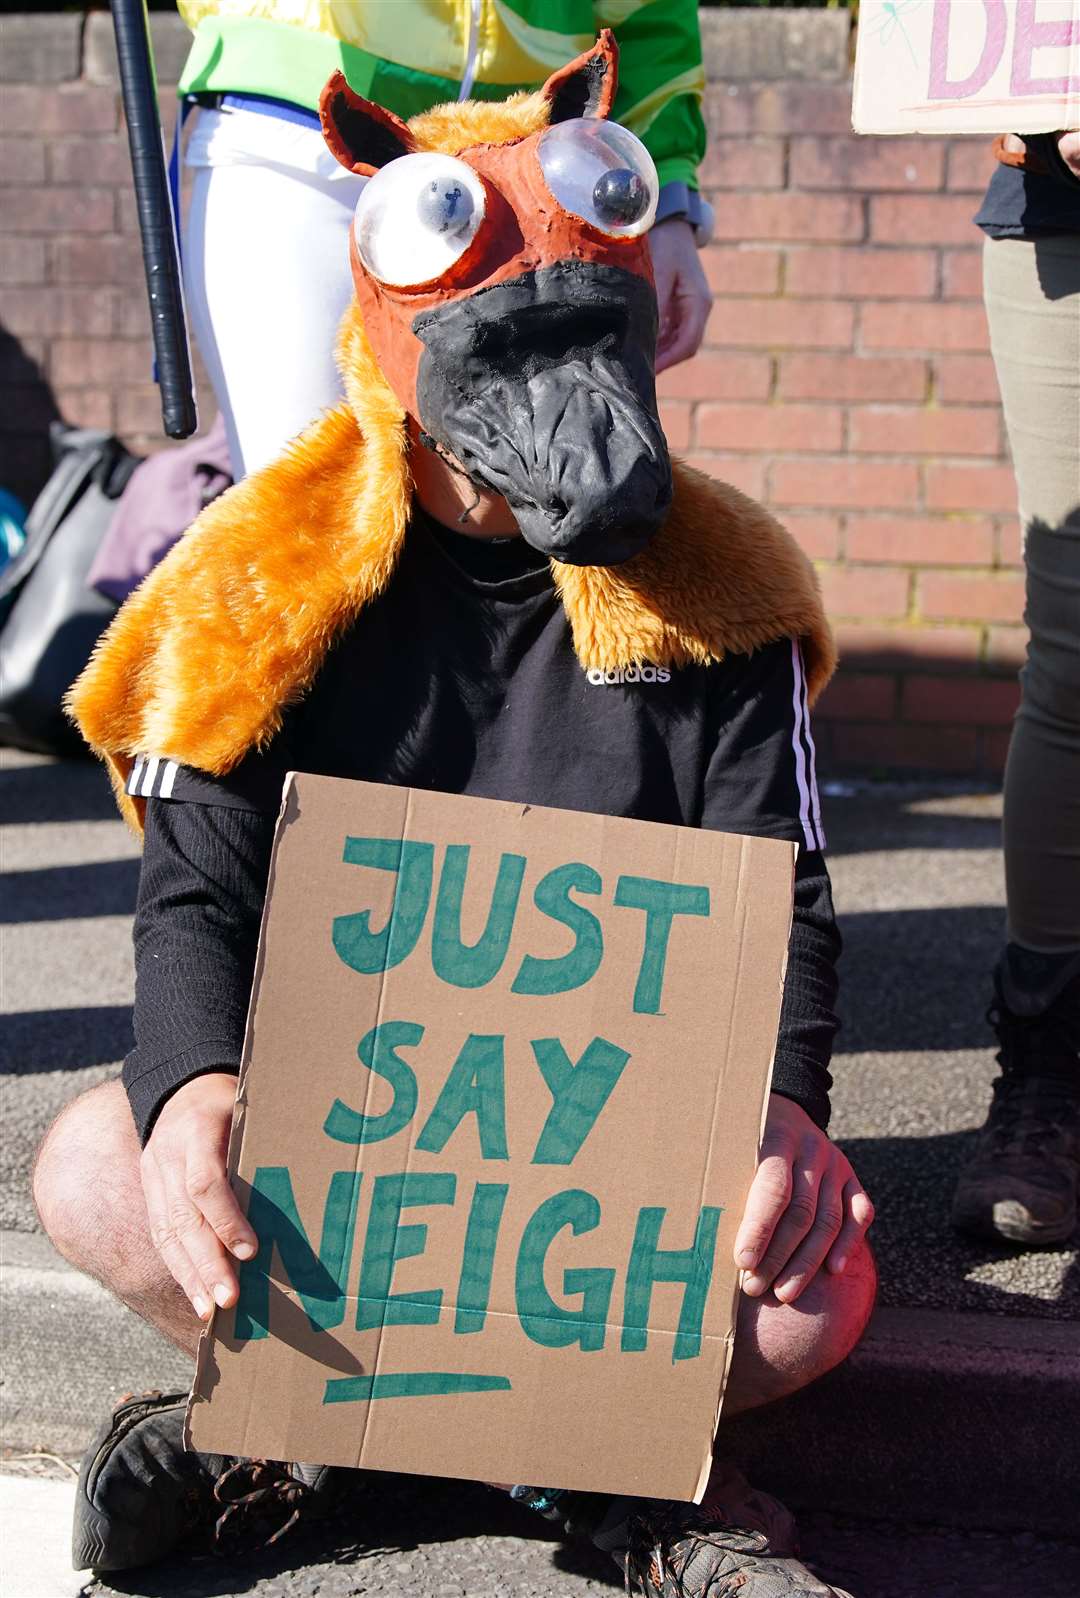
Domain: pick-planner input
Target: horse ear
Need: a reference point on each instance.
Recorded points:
(363, 136)
(585, 87)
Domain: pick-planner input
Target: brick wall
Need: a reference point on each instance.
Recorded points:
(845, 380)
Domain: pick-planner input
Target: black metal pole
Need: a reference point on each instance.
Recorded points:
(157, 225)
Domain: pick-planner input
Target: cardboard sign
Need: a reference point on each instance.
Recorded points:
(502, 1092)
(967, 66)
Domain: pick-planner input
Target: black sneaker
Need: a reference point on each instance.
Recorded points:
(1020, 1185)
(141, 1494)
(739, 1543)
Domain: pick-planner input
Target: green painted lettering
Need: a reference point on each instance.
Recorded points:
(476, 1086)
(320, 1281)
(661, 902)
(356, 944)
(473, 965)
(388, 1241)
(378, 1051)
(478, 1257)
(542, 1319)
(579, 1092)
(552, 898)
(650, 1264)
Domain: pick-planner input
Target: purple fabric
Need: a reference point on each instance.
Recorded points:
(162, 499)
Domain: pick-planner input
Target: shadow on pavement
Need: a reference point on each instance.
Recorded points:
(387, 1518)
(55, 790)
(64, 1040)
(58, 893)
(865, 816)
(922, 1262)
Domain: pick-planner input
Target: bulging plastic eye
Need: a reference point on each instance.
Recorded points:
(600, 172)
(416, 217)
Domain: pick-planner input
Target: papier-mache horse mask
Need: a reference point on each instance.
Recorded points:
(506, 290)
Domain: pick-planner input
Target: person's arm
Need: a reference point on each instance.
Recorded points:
(806, 1208)
(661, 82)
(201, 892)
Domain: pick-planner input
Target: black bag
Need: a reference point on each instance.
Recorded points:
(52, 619)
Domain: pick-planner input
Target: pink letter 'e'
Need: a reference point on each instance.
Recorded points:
(1032, 36)
(942, 87)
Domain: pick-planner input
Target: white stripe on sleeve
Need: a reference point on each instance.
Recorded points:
(169, 777)
(802, 781)
(135, 774)
(151, 772)
(815, 797)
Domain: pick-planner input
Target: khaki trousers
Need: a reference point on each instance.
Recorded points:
(1032, 291)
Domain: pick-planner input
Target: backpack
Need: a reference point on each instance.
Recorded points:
(50, 619)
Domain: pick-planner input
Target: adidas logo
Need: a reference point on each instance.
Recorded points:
(627, 674)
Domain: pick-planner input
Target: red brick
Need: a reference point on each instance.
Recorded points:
(86, 407)
(817, 535)
(910, 430)
(731, 269)
(1006, 647)
(961, 487)
(22, 160)
(675, 420)
(970, 597)
(852, 377)
(922, 219)
(840, 482)
(874, 164)
(95, 363)
(57, 210)
(921, 541)
(712, 376)
(743, 472)
(47, 310)
(859, 273)
(22, 260)
(966, 380)
(858, 696)
(104, 161)
(138, 407)
(1010, 542)
(132, 315)
(971, 164)
(112, 260)
(788, 107)
(78, 108)
(962, 275)
(899, 747)
(800, 217)
(912, 648)
(770, 427)
(782, 324)
(918, 325)
(743, 164)
(983, 700)
(874, 592)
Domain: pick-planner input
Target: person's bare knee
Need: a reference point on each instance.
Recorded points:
(87, 1189)
(782, 1347)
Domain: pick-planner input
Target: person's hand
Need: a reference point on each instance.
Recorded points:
(1069, 145)
(195, 1221)
(682, 294)
(806, 1207)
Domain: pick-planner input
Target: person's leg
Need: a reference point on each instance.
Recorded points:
(89, 1196)
(266, 274)
(1021, 1183)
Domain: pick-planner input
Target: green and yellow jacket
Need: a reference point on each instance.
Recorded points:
(408, 55)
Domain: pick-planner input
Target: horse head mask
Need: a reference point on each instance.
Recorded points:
(501, 265)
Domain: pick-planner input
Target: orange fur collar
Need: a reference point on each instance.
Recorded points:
(232, 627)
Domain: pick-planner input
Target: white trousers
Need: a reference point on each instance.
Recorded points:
(266, 273)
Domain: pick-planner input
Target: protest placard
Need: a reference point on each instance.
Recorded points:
(967, 66)
(502, 1090)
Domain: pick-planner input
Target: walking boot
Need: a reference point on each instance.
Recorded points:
(1020, 1185)
(141, 1493)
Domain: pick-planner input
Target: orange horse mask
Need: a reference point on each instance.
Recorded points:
(508, 297)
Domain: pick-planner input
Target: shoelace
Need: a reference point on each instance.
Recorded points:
(649, 1556)
(271, 1493)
